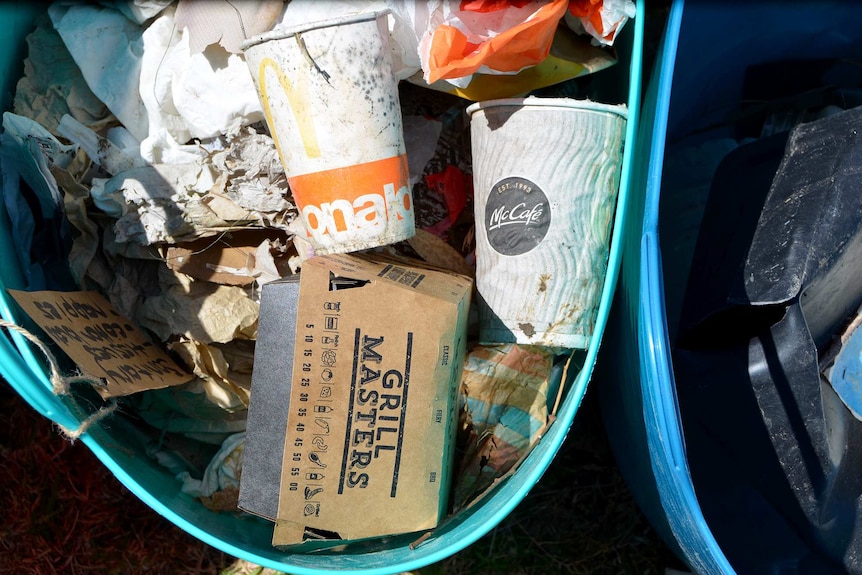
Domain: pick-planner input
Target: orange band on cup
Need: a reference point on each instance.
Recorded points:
(365, 196)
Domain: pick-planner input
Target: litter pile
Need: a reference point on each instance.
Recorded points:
(158, 189)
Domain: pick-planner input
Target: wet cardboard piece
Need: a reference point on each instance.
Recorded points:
(373, 403)
(102, 342)
(224, 261)
(270, 391)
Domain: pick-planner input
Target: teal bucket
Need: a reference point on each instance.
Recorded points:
(658, 441)
(247, 537)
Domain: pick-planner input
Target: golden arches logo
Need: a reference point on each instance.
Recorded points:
(297, 99)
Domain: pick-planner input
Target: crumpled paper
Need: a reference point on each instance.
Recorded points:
(209, 363)
(101, 151)
(125, 275)
(191, 94)
(159, 203)
(200, 311)
(52, 84)
(225, 23)
(254, 175)
(107, 47)
(504, 399)
(241, 186)
(221, 476)
(87, 243)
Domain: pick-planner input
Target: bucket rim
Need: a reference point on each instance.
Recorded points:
(536, 102)
(287, 32)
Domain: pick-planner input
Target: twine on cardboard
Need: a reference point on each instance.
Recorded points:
(61, 384)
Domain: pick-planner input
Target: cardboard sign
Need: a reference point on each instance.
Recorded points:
(102, 342)
(378, 356)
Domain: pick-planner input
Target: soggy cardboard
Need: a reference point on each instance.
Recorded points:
(102, 342)
(227, 261)
(378, 356)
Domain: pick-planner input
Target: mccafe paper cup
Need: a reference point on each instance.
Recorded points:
(331, 104)
(546, 177)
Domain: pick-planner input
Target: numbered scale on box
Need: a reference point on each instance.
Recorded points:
(316, 409)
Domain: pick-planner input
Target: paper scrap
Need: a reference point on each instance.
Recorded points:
(210, 365)
(504, 389)
(101, 150)
(107, 47)
(238, 187)
(200, 311)
(86, 242)
(158, 203)
(192, 95)
(237, 258)
(166, 126)
(102, 342)
(219, 486)
(139, 11)
(226, 23)
(52, 84)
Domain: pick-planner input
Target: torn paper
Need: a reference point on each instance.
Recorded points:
(221, 475)
(241, 186)
(139, 11)
(210, 365)
(101, 150)
(504, 393)
(200, 311)
(238, 258)
(52, 84)
(126, 273)
(87, 242)
(192, 95)
(103, 343)
(214, 91)
(226, 23)
(160, 203)
(166, 126)
(107, 47)
(255, 175)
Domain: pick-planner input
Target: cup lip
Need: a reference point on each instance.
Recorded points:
(282, 33)
(536, 102)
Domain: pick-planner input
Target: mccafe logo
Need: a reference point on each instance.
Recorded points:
(517, 216)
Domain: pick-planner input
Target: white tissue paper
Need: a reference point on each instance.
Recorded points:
(190, 96)
(108, 48)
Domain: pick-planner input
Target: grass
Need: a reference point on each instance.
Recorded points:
(63, 512)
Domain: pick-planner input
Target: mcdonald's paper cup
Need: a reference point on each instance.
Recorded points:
(331, 103)
(546, 177)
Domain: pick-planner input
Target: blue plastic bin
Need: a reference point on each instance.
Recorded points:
(248, 537)
(697, 80)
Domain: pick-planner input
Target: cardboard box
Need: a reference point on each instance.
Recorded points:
(378, 356)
